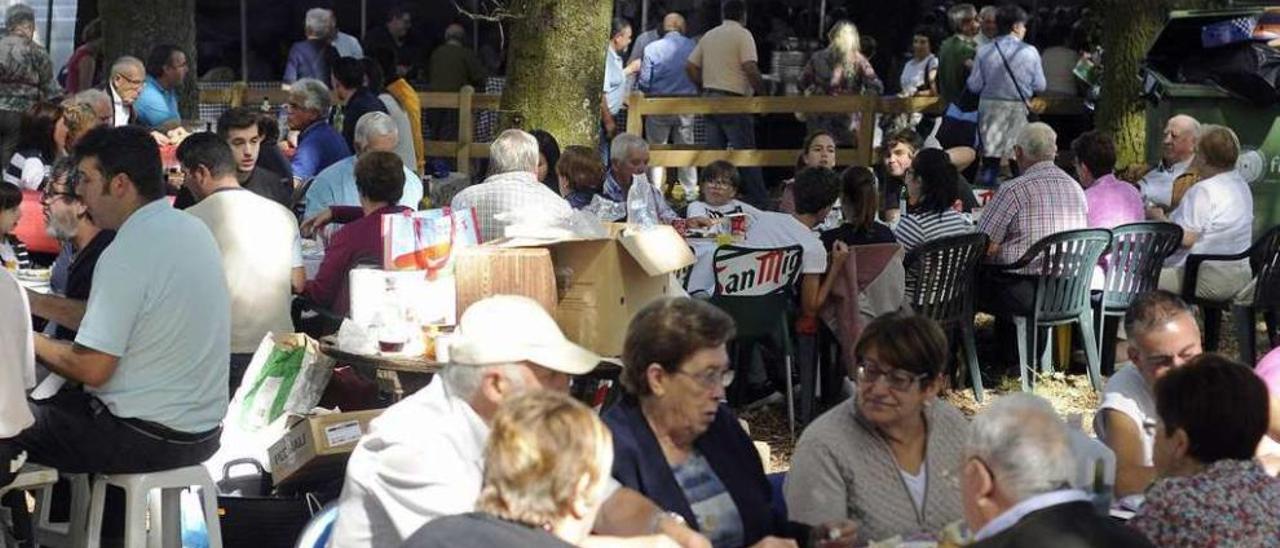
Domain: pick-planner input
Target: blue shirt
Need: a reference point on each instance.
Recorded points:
(615, 81)
(172, 341)
(662, 68)
(336, 186)
(156, 105)
(990, 79)
(319, 146)
(309, 59)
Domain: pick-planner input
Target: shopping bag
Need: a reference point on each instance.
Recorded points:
(426, 240)
(287, 375)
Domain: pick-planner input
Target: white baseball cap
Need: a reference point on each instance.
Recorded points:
(510, 329)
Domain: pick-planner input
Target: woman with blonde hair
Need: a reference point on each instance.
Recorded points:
(841, 69)
(546, 468)
(76, 121)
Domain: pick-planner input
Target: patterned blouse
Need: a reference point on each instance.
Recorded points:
(1230, 503)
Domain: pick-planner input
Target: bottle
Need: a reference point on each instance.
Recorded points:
(640, 206)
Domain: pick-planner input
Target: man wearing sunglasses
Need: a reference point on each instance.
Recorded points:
(67, 220)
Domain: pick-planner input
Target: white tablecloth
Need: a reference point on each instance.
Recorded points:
(702, 279)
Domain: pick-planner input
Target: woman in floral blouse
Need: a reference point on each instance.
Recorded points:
(1213, 411)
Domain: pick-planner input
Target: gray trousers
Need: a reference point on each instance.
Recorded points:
(677, 129)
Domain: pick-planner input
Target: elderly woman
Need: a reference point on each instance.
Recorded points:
(580, 175)
(886, 458)
(1212, 413)
(546, 468)
(675, 442)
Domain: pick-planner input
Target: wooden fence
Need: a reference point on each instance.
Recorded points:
(467, 103)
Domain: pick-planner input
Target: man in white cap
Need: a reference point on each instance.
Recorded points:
(423, 457)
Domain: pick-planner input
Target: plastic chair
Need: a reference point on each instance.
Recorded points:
(316, 534)
(755, 287)
(68, 534)
(1063, 265)
(940, 276)
(164, 510)
(1264, 261)
(1138, 251)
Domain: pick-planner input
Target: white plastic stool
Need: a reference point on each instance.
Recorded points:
(166, 528)
(31, 477)
(68, 534)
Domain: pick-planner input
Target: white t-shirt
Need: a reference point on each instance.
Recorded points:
(160, 304)
(17, 358)
(916, 484)
(1220, 210)
(257, 239)
(769, 230)
(703, 209)
(914, 73)
(1157, 184)
(1127, 392)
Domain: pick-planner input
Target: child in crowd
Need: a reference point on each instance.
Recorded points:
(718, 190)
(13, 254)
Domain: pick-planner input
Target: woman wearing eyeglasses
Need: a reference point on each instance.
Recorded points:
(886, 458)
(676, 443)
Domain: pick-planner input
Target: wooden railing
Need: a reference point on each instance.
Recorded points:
(466, 102)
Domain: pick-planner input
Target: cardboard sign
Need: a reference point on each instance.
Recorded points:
(316, 447)
(743, 272)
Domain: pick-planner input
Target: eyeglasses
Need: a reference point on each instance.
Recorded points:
(711, 377)
(47, 196)
(897, 380)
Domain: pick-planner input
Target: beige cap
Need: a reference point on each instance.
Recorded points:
(510, 329)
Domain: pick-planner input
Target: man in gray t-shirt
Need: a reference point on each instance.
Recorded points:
(153, 340)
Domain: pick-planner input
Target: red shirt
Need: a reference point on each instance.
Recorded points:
(360, 242)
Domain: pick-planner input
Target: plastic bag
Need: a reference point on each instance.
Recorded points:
(606, 210)
(287, 375)
(426, 240)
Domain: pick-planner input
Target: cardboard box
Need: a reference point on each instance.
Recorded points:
(316, 447)
(485, 271)
(604, 282)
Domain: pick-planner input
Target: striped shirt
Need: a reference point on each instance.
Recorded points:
(914, 229)
(1043, 201)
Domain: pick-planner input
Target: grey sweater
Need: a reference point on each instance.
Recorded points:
(843, 469)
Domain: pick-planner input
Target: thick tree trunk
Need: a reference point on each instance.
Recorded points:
(133, 27)
(1128, 29)
(555, 68)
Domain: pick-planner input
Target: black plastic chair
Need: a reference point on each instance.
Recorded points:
(1264, 261)
(940, 276)
(759, 314)
(1063, 266)
(1138, 251)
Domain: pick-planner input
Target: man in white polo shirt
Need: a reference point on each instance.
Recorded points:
(424, 457)
(1162, 335)
(258, 239)
(152, 346)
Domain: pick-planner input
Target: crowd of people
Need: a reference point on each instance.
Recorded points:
(195, 271)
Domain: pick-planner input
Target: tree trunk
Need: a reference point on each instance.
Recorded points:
(1128, 30)
(555, 68)
(133, 27)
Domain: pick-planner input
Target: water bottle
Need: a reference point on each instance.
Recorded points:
(640, 206)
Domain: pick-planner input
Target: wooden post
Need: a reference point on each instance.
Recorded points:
(635, 114)
(239, 92)
(867, 131)
(466, 131)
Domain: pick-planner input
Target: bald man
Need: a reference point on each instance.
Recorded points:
(1181, 133)
(128, 74)
(662, 74)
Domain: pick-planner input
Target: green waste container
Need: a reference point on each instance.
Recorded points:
(1257, 127)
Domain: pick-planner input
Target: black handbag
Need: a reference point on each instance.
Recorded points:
(250, 516)
(1031, 116)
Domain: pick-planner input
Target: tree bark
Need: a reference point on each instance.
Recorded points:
(133, 27)
(555, 68)
(1129, 27)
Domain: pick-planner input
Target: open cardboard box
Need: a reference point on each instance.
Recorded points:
(316, 447)
(604, 282)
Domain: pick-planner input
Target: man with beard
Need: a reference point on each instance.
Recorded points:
(67, 219)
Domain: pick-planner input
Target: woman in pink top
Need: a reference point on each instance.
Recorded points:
(1111, 202)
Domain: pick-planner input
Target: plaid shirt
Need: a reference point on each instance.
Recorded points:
(506, 193)
(26, 74)
(1043, 201)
